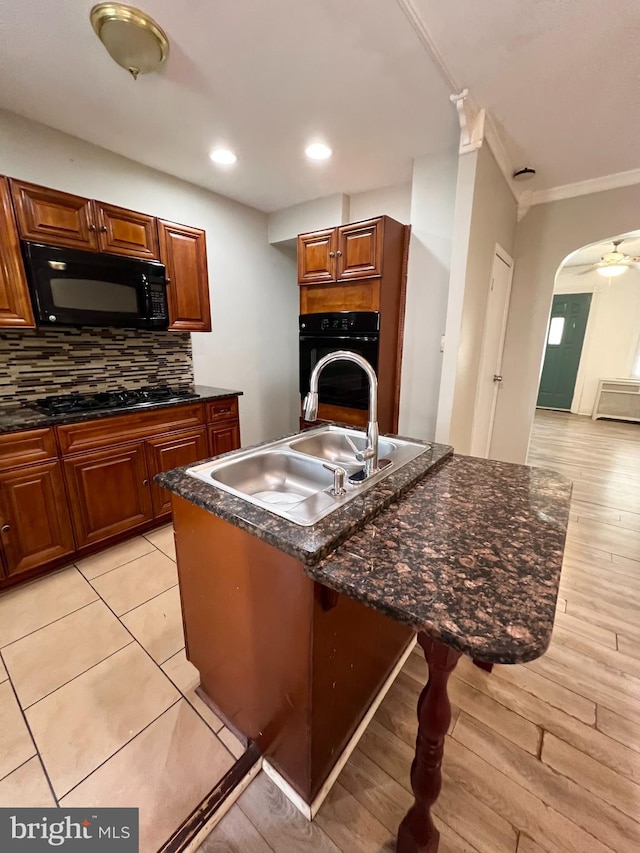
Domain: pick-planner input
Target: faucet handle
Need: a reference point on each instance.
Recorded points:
(367, 453)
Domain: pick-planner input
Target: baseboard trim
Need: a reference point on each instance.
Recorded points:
(310, 810)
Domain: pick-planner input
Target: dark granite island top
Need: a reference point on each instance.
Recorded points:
(471, 556)
(24, 416)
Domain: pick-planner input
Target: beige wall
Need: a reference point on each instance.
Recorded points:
(493, 220)
(544, 238)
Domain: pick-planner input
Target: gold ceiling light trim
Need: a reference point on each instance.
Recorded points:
(131, 37)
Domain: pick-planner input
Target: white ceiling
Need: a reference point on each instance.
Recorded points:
(561, 77)
(265, 77)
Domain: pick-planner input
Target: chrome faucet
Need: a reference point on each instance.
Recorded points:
(370, 455)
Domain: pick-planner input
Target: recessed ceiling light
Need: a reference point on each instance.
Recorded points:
(318, 151)
(223, 156)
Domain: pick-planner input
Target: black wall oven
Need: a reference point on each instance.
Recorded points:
(74, 288)
(341, 383)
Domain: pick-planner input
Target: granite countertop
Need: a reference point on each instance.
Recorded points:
(24, 416)
(471, 555)
(468, 550)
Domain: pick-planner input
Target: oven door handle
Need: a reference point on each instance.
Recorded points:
(329, 338)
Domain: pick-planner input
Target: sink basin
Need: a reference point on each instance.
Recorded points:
(277, 477)
(333, 446)
(288, 477)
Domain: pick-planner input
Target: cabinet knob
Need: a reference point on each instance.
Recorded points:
(92, 227)
(332, 254)
(167, 280)
(5, 528)
(103, 228)
(339, 253)
(145, 482)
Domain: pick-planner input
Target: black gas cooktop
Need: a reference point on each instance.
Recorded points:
(65, 404)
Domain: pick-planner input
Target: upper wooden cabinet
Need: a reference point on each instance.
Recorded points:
(359, 252)
(125, 232)
(15, 305)
(57, 218)
(317, 256)
(347, 253)
(183, 251)
(60, 219)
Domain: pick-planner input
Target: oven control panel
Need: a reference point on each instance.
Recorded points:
(350, 322)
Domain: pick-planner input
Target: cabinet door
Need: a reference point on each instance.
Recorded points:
(317, 256)
(109, 492)
(35, 524)
(224, 437)
(359, 252)
(169, 452)
(15, 305)
(125, 232)
(184, 253)
(49, 216)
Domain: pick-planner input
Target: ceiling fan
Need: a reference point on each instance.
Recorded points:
(612, 264)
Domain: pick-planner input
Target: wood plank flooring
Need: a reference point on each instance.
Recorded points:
(540, 758)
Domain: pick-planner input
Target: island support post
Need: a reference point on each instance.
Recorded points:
(417, 832)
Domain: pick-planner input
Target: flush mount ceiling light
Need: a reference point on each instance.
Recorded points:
(524, 174)
(223, 156)
(318, 151)
(131, 37)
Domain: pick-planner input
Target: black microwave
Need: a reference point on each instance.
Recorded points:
(74, 288)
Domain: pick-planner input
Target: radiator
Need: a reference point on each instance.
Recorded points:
(619, 399)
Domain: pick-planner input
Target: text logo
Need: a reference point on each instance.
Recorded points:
(73, 830)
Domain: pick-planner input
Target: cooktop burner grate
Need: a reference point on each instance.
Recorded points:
(64, 404)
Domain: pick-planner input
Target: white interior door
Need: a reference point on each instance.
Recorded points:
(489, 377)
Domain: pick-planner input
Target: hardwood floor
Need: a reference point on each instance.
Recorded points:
(540, 757)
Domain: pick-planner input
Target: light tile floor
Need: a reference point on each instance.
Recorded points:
(97, 699)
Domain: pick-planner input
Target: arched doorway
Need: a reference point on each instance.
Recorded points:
(594, 328)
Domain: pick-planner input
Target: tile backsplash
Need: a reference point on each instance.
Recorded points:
(58, 361)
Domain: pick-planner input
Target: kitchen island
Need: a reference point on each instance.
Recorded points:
(465, 552)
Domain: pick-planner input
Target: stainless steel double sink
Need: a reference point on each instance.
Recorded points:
(289, 477)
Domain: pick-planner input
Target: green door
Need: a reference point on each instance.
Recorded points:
(564, 346)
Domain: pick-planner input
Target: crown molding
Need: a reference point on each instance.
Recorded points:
(418, 24)
(593, 185)
(486, 125)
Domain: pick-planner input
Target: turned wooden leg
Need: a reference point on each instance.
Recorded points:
(482, 664)
(417, 833)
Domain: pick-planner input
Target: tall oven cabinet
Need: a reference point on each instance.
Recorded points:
(359, 268)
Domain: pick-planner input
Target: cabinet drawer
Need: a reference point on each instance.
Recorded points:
(23, 448)
(225, 409)
(91, 435)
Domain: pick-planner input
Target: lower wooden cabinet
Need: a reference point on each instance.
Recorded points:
(54, 510)
(224, 437)
(108, 492)
(169, 452)
(35, 526)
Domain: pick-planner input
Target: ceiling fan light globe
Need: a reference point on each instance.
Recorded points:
(612, 270)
